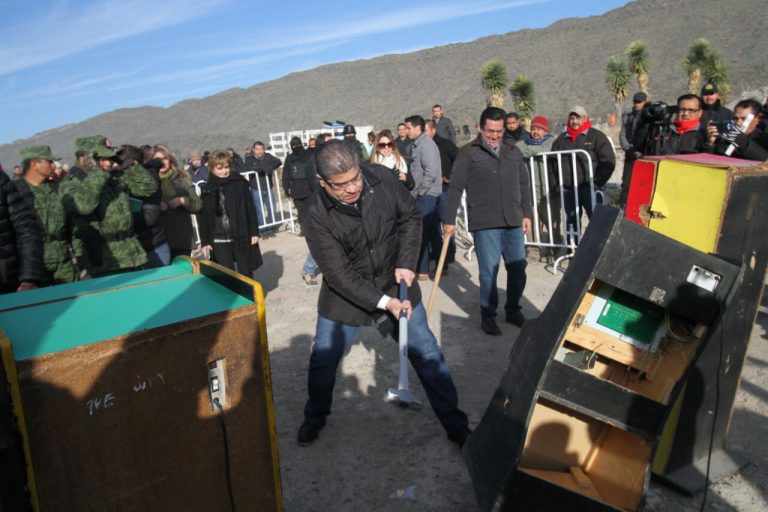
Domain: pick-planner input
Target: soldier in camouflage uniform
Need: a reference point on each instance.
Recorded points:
(99, 198)
(55, 224)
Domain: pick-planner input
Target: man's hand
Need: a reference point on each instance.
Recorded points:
(206, 250)
(176, 202)
(712, 134)
(526, 225)
(403, 274)
(449, 229)
(254, 240)
(394, 306)
(26, 285)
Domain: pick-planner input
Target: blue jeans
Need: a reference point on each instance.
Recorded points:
(160, 256)
(310, 265)
(491, 245)
(431, 239)
(334, 339)
(265, 198)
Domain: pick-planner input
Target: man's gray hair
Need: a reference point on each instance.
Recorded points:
(333, 158)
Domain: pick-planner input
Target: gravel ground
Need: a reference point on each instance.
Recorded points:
(374, 457)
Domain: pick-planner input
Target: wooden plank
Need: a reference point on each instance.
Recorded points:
(582, 480)
(620, 469)
(567, 480)
(602, 399)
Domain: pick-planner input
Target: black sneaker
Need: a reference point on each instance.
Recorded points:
(516, 318)
(488, 325)
(308, 432)
(460, 435)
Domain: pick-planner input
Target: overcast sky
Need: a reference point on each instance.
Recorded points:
(65, 61)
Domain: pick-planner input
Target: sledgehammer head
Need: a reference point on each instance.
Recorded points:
(403, 398)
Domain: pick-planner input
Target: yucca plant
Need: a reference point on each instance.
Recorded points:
(523, 98)
(617, 77)
(698, 57)
(639, 62)
(495, 81)
(717, 71)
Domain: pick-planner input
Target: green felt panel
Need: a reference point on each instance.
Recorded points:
(178, 268)
(632, 316)
(49, 327)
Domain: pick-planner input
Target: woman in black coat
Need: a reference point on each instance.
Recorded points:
(229, 228)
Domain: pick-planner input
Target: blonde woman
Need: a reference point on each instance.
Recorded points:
(179, 200)
(385, 153)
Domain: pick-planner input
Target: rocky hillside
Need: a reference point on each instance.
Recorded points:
(566, 61)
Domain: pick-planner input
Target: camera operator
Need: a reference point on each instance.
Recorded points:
(741, 137)
(659, 134)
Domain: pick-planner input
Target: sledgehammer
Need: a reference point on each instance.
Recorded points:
(402, 396)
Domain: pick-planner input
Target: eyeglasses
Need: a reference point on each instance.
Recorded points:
(382, 145)
(688, 110)
(354, 182)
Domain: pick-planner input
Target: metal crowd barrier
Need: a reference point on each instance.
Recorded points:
(279, 209)
(549, 229)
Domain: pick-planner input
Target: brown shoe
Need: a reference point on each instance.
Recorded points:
(422, 277)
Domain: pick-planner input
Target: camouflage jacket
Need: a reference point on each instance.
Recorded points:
(103, 224)
(55, 225)
(177, 222)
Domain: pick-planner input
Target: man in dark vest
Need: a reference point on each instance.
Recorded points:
(300, 184)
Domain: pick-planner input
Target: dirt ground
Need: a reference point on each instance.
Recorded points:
(374, 457)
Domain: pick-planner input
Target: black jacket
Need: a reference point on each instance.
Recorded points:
(749, 147)
(498, 188)
(299, 174)
(238, 209)
(692, 141)
(146, 222)
(716, 112)
(265, 169)
(358, 250)
(448, 152)
(600, 149)
(21, 240)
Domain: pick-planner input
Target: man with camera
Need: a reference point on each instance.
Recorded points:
(740, 138)
(665, 130)
(629, 123)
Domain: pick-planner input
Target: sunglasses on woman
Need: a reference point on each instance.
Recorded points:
(382, 145)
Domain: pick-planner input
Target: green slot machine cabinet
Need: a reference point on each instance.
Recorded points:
(717, 205)
(117, 377)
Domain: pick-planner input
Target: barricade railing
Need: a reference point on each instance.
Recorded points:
(550, 228)
(276, 209)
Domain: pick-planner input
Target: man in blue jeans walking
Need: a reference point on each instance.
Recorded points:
(363, 228)
(499, 209)
(427, 175)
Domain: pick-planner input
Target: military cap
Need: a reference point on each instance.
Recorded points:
(96, 146)
(42, 152)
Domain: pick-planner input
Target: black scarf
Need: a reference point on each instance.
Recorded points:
(230, 195)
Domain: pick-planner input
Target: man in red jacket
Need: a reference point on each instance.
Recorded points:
(579, 181)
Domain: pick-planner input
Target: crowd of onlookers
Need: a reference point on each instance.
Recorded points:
(117, 209)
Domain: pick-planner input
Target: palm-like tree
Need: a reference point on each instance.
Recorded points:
(699, 56)
(716, 71)
(495, 81)
(523, 98)
(617, 77)
(637, 54)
